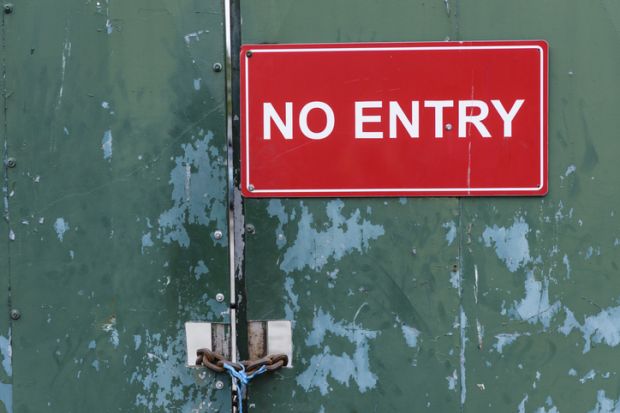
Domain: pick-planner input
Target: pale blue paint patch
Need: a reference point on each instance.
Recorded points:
(455, 280)
(147, 242)
(197, 84)
(566, 265)
(105, 105)
(200, 269)
(521, 407)
(95, 365)
(106, 145)
(535, 306)
(462, 360)
(291, 305)
(453, 380)
(451, 234)
(275, 208)
(603, 327)
(165, 384)
(6, 389)
(411, 335)
(137, 341)
(588, 376)
(505, 339)
(571, 169)
(511, 245)
(343, 368)
(572, 372)
(61, 226)
(92, 345)
(313, 248)
(402, 200)
(605, 405)
(198, 182)
(110, 327)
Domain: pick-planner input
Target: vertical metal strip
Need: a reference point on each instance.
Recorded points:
(235, 205)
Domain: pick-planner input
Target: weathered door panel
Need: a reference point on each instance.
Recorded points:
(117, 121)
(371, 285)
(528, 265)
(372, 292)
(541, 275)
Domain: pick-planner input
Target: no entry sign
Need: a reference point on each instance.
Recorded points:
(394, 119)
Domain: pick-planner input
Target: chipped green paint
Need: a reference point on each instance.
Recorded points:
(120, 184)
(117, 121)
(530, 321)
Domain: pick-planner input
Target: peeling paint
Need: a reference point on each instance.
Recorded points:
(206, 204)
(411, 335)
(313, 248)
(451, 234)
(603, 327)
(275, 208)
(291, 305)
(61, 226)
(605, 405)
(511, 245)
(106, 145)
(166, 384)
(535, 306)
(343, 368)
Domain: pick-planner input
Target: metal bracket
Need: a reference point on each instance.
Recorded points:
(214, 336)
(270, 337)
(264, 338)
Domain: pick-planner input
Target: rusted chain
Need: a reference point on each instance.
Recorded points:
(215, 361)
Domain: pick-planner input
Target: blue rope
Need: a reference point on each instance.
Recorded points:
(242, 380)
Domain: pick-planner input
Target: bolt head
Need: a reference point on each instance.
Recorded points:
(11, 162)
(250, 188)
(219, 384)
(218, 234)
(217, 67)
(8, 8)
(448, 126)
(219, 297)
(249, 228)
(15, 314)
(248, 53)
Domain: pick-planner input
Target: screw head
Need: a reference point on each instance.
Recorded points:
(11, 162)
(249, 228)
(15, 314)
(219, 297)
(250, 188)
(219, 384)
(248, 53)
(448, 126)
(8, 8)
(218, 234)
(217, 67)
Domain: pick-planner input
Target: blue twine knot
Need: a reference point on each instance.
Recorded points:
(242, 379)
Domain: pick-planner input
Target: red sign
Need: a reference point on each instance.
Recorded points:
(394, 119)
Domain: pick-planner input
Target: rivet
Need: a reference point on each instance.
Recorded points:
(448, 126)
(219, 384)
(455, 268)
(15, 314)
(219, 297)
(11, 162)
(250, 188)
(217, 67)
(8, 8)
(248, 53)
(218, 234)
(249, 228)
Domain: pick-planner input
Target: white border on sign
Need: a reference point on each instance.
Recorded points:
(381, 49)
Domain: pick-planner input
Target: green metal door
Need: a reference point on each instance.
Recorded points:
(114, 130)
(116, 120)
(444, 305)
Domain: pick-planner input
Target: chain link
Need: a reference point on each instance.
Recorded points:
(215, 361)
